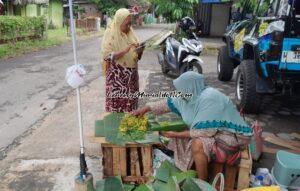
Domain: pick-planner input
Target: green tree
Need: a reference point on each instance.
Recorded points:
(246, 6)
(174, 10)
(77, 10)
(252, 6)
(110, 6)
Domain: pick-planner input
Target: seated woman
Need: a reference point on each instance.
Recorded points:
(214, 125)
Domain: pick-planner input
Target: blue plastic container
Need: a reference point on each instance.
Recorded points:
(286, 170)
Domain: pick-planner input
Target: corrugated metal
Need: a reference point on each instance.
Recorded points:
(203, 17)
(219, 19)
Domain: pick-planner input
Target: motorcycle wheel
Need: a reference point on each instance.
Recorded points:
(195, 66)
(162, 62)
(164, 68)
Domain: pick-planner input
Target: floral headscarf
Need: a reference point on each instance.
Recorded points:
(115, 40)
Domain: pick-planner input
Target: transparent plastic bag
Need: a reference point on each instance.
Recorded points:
(74, 75)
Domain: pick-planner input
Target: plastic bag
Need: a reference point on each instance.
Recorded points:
(74, 75)
(264, 176)
(275, 26)
(256, 142)
(159, 158)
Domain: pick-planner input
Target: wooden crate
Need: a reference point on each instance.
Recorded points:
(236, 177)
(133, 162)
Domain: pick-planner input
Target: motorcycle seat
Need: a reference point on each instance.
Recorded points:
(175, 44)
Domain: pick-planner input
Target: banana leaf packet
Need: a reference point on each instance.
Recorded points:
(168, 126)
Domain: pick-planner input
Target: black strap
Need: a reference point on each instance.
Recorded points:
(237, 140)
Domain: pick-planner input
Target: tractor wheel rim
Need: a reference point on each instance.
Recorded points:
(240, 86)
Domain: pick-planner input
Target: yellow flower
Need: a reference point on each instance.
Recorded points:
(130, 122)
(141, 128)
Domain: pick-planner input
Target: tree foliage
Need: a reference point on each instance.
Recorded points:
(143, 3)
(77, 9)
(252, 6)
(174, 10)
(248, 6)
(110, 6)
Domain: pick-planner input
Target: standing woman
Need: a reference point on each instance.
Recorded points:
(119, 63)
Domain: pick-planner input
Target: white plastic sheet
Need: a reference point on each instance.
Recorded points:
(275, 26)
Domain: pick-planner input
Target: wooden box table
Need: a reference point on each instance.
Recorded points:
(133, 162)
(235, 176)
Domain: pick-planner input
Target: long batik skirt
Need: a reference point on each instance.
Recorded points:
(121, 85)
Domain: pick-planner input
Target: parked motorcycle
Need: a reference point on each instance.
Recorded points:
(181, 57)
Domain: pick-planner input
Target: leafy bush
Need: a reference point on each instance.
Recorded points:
(15, 27)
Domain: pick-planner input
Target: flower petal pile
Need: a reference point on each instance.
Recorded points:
(133, 127)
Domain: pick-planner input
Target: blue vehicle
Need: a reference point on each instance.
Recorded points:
(265, 49)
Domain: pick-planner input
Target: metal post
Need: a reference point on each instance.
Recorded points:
(83, 167)
(73, 32)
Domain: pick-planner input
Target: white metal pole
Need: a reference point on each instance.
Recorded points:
(73, 33)
(80, 121)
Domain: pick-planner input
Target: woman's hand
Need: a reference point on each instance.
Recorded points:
(173, 134)
(141, 111)
(170, 134)
(134, 45)
(118, 55)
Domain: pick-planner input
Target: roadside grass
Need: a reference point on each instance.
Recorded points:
(54, 37)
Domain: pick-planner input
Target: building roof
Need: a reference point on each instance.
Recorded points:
(66, 3)
(78, 1)
(24, 2)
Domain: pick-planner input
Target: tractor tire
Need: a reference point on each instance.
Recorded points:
(225, 65)
(195, 66)
(246, 96)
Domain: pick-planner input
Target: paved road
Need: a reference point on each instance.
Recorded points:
(31, 85)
